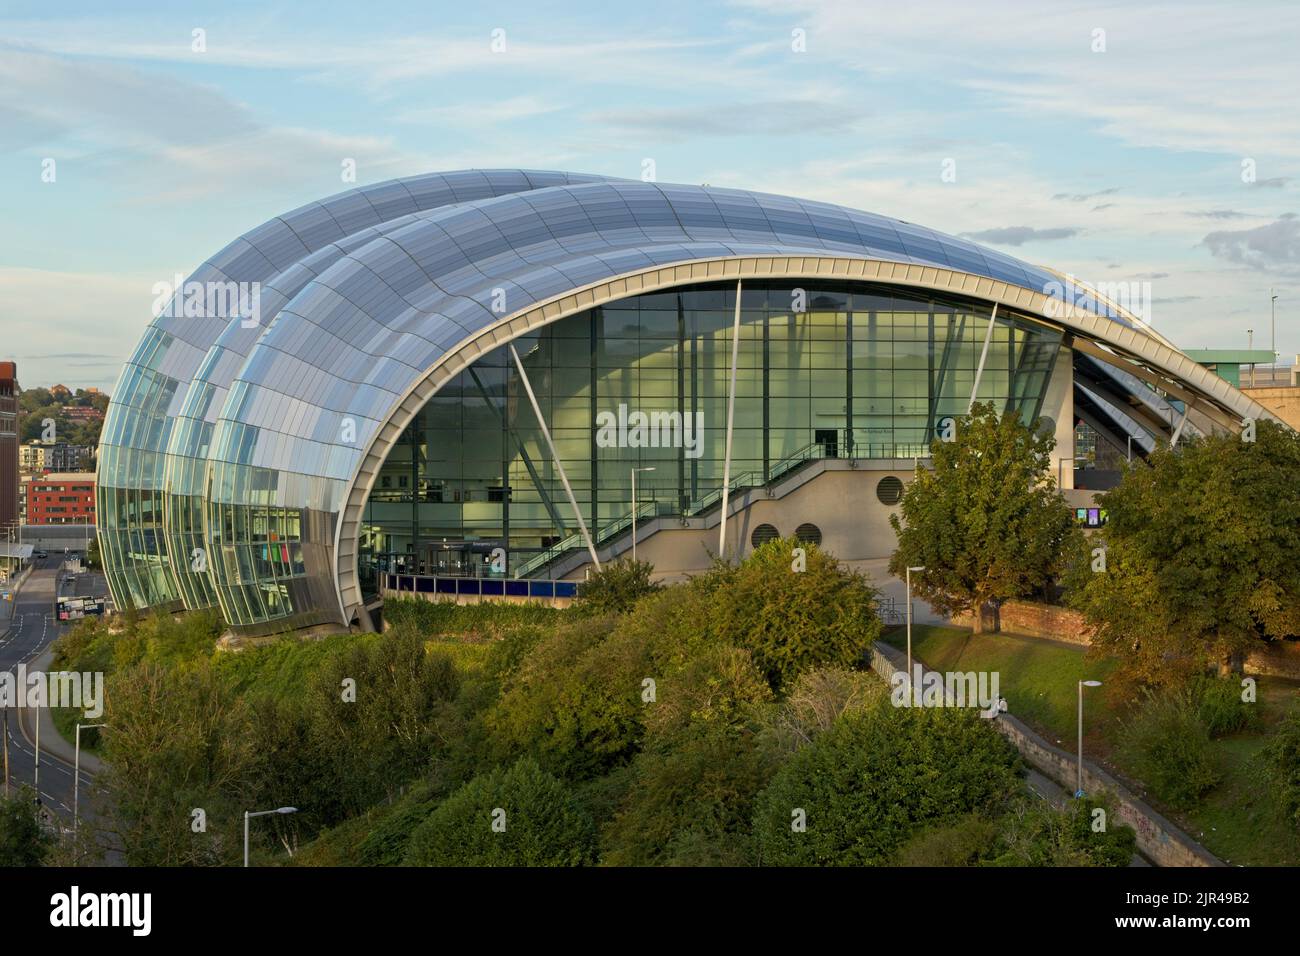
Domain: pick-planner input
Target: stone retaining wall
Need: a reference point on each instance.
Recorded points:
(1159, 840)
(1031, 619)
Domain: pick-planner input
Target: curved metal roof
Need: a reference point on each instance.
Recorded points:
(354, 338)
(182, 364)
(365, 292)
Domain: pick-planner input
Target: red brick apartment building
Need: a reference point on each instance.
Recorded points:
(68, 498)
(8, 443)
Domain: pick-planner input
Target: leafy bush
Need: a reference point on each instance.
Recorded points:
(819, 698)
(965, 842)
(485, 621)
(573, 701)
(1282, 758)
(1167, 745)
(1035, 833)
(23, 840)
(794, 620)
(721, 686)
(1219, 706)
(180, 740)
(690, 804)
(543, 824)
(386, 843)
(373, 744)
(616, 587)
(877, 776)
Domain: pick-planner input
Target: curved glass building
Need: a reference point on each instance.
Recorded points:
(464, 374)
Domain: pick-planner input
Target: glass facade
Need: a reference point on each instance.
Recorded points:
(230, 451)
(862, 372)
(153, 452)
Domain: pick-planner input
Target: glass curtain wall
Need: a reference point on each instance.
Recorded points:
(835, 371)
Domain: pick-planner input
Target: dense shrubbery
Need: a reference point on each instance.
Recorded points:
(679, 731)
(23, 841)
(1282, 757)
(1035, 834)
(207, 733)
(792, 621)
(521, 816)
(691, 803)
(616, 587)
(1168, 745)
(1219, 706)
(876, 777)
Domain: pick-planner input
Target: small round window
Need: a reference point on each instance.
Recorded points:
(890, 490)
(808, 534)
(763, 534)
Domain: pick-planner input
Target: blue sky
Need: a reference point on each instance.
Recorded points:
(1115, 164)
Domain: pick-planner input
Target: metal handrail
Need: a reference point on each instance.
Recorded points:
(782, 468)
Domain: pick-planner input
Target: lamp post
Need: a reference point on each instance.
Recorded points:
(260, 813)
(1082, 685)
(36, 771)
(634, 471)
(76, 777)
(910, 686)
(1272, 318)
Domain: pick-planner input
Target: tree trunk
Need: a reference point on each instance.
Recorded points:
(987, 618)
(1233, 664)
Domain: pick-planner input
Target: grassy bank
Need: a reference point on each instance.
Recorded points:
(1237, 819)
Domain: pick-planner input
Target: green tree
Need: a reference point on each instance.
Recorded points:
(986, 520)
(794, 607)
(180, 742)
(862, 788)
(24, 841)
(521, 816)
(1202, 553)
(616, 587)
(373, 713)
(572, 699)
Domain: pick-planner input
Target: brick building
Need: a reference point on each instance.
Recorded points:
(67, 498)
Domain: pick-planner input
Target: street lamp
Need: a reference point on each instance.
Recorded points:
(260, 813)
(911, 687)
(634, 471)
(1273, 323)
(76, 776)
(1082, 685)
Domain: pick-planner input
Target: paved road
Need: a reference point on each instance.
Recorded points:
(31, 629)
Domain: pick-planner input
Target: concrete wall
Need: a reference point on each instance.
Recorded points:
(1158, 839)
(1282, 401)
(841, 501)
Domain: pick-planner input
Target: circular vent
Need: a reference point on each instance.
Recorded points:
(763, 534)
(1046, 426)
(808, 534)
(890, 490)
